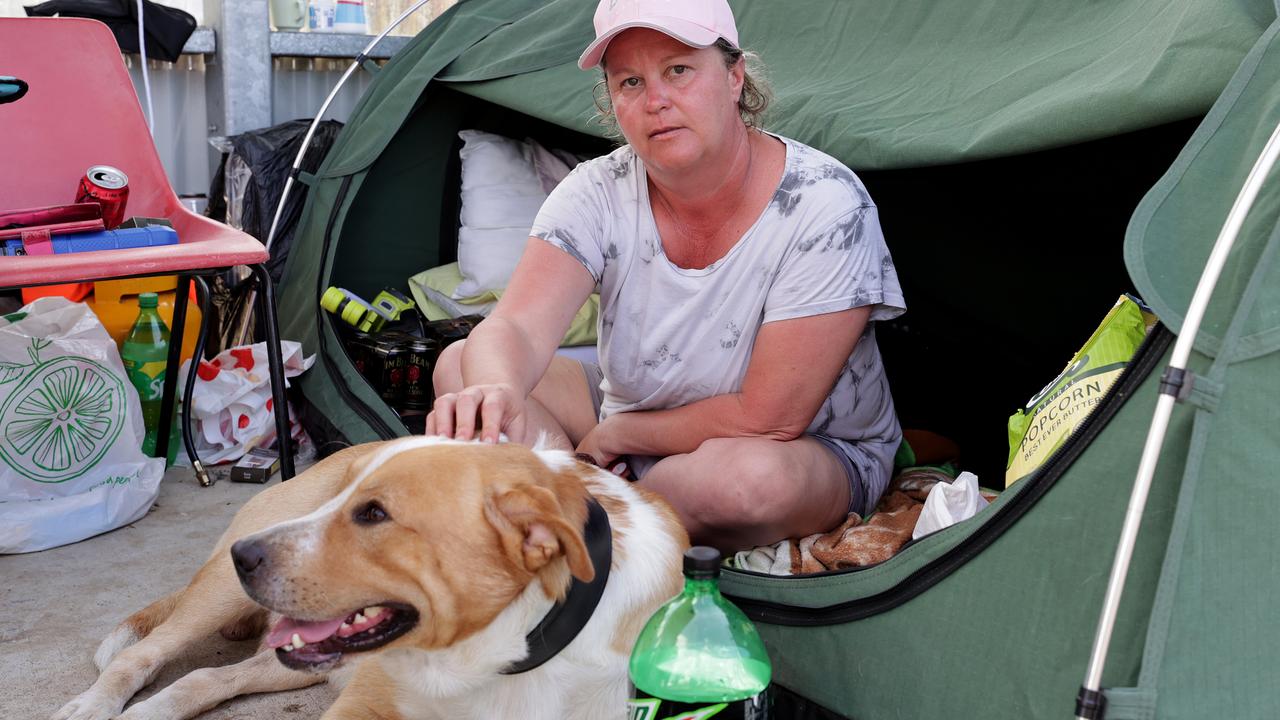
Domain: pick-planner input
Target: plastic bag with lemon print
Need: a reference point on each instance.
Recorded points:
(71, 464)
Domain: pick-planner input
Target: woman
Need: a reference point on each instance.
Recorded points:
(740, 273)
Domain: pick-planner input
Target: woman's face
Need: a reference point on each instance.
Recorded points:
(675, 104)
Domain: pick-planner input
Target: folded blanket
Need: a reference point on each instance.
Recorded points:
(854, 543)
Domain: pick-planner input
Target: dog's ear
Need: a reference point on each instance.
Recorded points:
(534, 530)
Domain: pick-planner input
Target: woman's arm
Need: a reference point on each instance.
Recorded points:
(506, 355)
(794, 364)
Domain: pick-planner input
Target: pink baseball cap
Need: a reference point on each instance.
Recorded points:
(693, 22)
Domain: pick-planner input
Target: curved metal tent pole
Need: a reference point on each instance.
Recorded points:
(242, 332)
(315, 122)
(1174, 385)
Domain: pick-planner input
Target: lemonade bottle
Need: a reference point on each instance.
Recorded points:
(145, 354)
(699, 656)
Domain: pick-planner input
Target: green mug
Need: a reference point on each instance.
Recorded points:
(288, 14)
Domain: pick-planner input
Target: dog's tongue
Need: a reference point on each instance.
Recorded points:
(282, 634)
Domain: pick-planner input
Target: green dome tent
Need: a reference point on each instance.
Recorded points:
(1031, 161)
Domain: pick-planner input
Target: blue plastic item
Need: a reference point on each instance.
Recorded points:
(11, 88)
(151, 236)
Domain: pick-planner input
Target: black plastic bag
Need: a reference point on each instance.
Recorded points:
(269, 153)
(167, 29)
(266, 157)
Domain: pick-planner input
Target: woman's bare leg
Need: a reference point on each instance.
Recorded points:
(739, 493)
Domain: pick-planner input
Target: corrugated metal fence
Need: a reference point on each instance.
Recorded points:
(299, 86)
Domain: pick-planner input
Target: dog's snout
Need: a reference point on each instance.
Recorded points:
(248, 555)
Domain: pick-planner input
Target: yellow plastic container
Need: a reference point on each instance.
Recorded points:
(115, 302)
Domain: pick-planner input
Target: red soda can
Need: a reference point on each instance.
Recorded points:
(107, 186)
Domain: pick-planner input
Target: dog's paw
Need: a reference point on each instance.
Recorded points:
(86, 707)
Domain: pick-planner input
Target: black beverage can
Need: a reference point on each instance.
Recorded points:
(420, 357)
(358, 350)
(385, 368)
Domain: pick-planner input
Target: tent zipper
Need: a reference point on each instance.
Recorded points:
(362, 408)
(1145, 359)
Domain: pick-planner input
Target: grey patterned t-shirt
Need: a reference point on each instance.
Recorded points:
(670, 336)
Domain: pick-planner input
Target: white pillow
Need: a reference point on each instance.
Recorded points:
(504, 183)
(500, 206)
(487, 257)
(501, 194)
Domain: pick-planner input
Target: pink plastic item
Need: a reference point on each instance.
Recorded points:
(82, 110)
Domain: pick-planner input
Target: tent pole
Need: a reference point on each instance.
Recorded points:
(315, 122)
(1175, 386)
(243, 332)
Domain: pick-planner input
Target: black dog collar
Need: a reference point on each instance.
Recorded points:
(567, 618)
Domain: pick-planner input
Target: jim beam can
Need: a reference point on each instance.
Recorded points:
(418, 393)
(107, 186)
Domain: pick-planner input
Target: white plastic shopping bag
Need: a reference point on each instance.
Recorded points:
(948, 504)
(71, 463)
(231, 406)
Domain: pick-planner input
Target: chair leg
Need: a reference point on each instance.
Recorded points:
(172, 364)
(188, 439)
(267, 308)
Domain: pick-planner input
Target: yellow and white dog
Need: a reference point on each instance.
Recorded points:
(431, 558)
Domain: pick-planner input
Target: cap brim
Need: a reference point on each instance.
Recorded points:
(682, 30)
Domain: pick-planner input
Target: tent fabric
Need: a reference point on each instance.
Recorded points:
(1172, 232)
(344, 398)
(1220, 559)
(921, 82)
(1006, 631)
(900, 84)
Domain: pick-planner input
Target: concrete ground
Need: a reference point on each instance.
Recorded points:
(57, 605)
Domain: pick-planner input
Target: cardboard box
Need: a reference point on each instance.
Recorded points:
(257, 466)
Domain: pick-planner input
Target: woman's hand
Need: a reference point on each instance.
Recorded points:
(483, 411)
(598, 445)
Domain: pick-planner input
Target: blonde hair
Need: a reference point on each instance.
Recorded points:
(754, 101)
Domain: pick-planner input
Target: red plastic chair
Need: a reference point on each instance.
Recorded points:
(80, 110)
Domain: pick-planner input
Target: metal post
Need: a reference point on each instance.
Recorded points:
(238, 80)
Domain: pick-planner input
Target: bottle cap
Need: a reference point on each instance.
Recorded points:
(701, 562)
(148, 300)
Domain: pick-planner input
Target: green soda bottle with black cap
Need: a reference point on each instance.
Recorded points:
(145, 354)
(699, 656)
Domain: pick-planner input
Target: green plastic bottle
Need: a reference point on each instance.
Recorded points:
(145, 353)
(699, 656)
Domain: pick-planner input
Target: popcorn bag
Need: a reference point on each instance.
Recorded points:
(231, 407)
(71, 463)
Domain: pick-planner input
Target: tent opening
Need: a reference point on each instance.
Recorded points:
(1007, 266)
